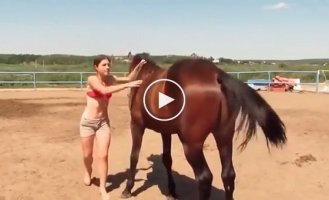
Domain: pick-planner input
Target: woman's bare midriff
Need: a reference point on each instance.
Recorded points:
(96, 108)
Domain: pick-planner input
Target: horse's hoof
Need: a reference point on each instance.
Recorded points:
(125, 195)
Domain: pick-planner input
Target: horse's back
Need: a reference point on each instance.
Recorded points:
(204, 98)
(189, 71)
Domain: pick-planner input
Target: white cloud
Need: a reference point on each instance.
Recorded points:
(277, 6)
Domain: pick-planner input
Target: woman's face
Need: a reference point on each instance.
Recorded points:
(104, 67)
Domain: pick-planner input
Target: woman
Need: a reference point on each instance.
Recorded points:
(94, 124)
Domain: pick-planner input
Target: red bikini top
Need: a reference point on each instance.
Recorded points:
(96, 94)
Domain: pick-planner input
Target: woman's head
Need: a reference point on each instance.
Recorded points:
(102, 65)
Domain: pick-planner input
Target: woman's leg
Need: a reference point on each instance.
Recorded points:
(87, 144)
(103, 139)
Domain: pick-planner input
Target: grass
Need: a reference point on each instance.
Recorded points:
(120, 67)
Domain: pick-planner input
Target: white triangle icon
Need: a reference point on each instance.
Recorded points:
(164, 100)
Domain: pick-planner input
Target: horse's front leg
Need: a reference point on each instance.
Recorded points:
(137, 132)
(167, 161)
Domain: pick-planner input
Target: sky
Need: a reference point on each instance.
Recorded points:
(237, 29)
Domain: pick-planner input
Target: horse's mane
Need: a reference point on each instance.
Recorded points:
(150, 64)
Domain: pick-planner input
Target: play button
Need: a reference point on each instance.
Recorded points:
(164, 99)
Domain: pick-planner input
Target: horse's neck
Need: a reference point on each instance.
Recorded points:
(148, 77)
(158, 74)
(152, 74)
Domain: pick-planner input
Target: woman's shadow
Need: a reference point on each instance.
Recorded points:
(186, 187)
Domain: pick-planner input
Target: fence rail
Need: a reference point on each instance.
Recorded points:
(33, 76)
(79, 78)
(315, 75)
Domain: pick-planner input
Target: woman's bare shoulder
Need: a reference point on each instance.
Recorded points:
(92, 78)
(92, 81)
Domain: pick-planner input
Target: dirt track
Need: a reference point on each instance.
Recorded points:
(40, 153)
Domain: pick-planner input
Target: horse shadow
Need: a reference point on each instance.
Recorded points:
(186, 187)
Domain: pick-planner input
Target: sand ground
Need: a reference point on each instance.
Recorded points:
(40, 154)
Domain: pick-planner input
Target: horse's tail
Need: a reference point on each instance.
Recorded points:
(254, 109)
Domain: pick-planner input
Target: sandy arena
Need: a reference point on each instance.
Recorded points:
(40, 153)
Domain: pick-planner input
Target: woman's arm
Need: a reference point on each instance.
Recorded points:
(94, 83)
(122, 79)
(131, 76)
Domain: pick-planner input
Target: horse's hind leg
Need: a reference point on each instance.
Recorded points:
(194, 155)
(167, 161)
(224, 143)
(137, 136)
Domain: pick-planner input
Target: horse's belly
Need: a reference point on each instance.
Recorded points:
(162, 127)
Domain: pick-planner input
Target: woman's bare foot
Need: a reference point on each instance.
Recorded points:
(87, 179)
(105, 195)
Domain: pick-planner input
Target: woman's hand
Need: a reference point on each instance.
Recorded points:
(140, 65)
(134, 72)
(132, 84)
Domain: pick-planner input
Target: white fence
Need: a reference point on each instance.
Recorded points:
(309, 80)
(33, 78)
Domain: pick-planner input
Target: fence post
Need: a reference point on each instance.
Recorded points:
(81, 82)
(269, 81)
(34, 81)
(238, 75)
(317, 80)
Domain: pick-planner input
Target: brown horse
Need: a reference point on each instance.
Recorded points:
(214, 100)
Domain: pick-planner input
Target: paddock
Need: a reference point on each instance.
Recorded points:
(40, 153)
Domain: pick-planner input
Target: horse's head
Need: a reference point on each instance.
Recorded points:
(136, 59)
(149, 67)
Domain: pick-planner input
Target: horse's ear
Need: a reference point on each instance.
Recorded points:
(131, 63)
(135, 59)
(130, 56)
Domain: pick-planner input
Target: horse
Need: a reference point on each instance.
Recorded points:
(214, 102)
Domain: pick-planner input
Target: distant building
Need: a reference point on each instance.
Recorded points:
(216, 60)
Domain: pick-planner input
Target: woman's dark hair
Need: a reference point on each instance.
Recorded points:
(99, 58)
